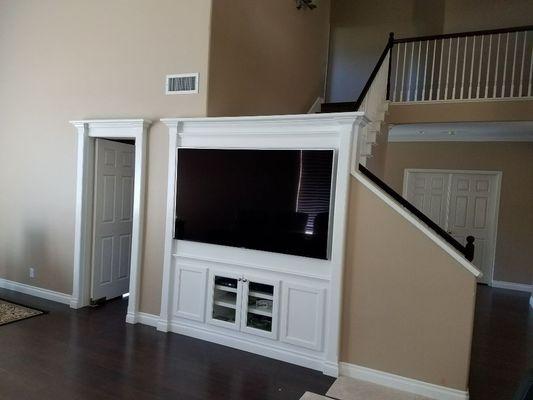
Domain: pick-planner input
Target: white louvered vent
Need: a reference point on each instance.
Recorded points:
(182, 84)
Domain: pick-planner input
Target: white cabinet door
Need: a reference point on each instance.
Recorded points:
(113, 216)
(190, 292)
(260, 304)
(224, 297)
(302, 316)
(471, 210)
(428, 191)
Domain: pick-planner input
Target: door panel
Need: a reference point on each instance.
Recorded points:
(428, 192)
(113, 210)
(470, 210)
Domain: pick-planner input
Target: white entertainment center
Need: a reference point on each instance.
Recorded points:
(277, 305)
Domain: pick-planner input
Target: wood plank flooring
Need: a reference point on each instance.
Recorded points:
(502, 349)
(94, 354)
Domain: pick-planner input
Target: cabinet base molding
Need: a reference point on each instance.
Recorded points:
(402, 383)
(292, 357)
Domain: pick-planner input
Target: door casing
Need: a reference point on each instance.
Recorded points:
(88, 131)
(493, 236)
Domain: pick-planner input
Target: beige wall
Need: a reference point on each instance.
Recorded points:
(405, 312)
(266, 57)
(73, 59)
(514, 253)
(460, 112)
(359, 31)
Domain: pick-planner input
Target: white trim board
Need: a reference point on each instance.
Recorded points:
(402, 383)
(523, 287)
(87, 132)
(422, 227)
(36, 291)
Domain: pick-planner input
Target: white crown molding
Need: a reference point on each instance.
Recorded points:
(36, 291)
(510, 131)
(523, 287)
(402, 383)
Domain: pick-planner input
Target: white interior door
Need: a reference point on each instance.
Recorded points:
(463, 203)
(471, 208)
(428, 191)
(113, 213)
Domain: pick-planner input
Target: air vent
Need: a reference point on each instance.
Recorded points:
(182, 84)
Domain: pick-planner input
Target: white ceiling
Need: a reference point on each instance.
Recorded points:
(519, 131)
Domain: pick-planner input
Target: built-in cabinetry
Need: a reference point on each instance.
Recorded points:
(277, 305)
(287, 313)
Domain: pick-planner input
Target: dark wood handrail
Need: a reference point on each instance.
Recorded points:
(375, 71)
(464, 34)
(467, 251)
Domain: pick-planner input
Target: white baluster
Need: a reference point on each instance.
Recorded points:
(448, 70)
(522, 67)
(403, 69)
(514, 64)
(432, 70)
(479, 69)
(455, 69)
(464, 65)
(440, 68)
(472, 68)
(425, 72)
(505, 65)
(488, 68)
(530, 72)
(396, 72)
(417, 71)
(496, 67)
(410, 71)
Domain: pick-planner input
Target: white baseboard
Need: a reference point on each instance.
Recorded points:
(512, 286)
(401, 383)
(304, 360)
(36, 291)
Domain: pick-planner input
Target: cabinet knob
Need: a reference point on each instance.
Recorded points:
(239, 279)
(244, 280)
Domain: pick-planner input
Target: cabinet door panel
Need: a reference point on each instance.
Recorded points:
(260, 307)
(224, 297)
(302, 316)
(191, 292)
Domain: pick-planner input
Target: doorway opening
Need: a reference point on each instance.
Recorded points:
(114, 169)
(109, 211)
(463, 203)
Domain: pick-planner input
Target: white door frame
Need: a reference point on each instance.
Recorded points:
(495, 211)
(88, 131)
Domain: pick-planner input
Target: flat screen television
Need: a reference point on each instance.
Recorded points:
(271, 200)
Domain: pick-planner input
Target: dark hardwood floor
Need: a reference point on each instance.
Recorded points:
(502, 349)
(94, 354)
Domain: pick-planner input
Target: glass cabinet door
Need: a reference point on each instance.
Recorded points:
(225, 300)
(260, 307)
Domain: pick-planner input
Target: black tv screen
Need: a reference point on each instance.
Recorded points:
(271, 200)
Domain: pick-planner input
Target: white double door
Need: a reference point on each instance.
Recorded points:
(113, 216)
(462, 203)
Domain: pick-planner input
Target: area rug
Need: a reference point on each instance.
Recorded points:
(12, 312)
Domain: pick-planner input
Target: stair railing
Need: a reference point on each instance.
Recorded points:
(468, 66)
